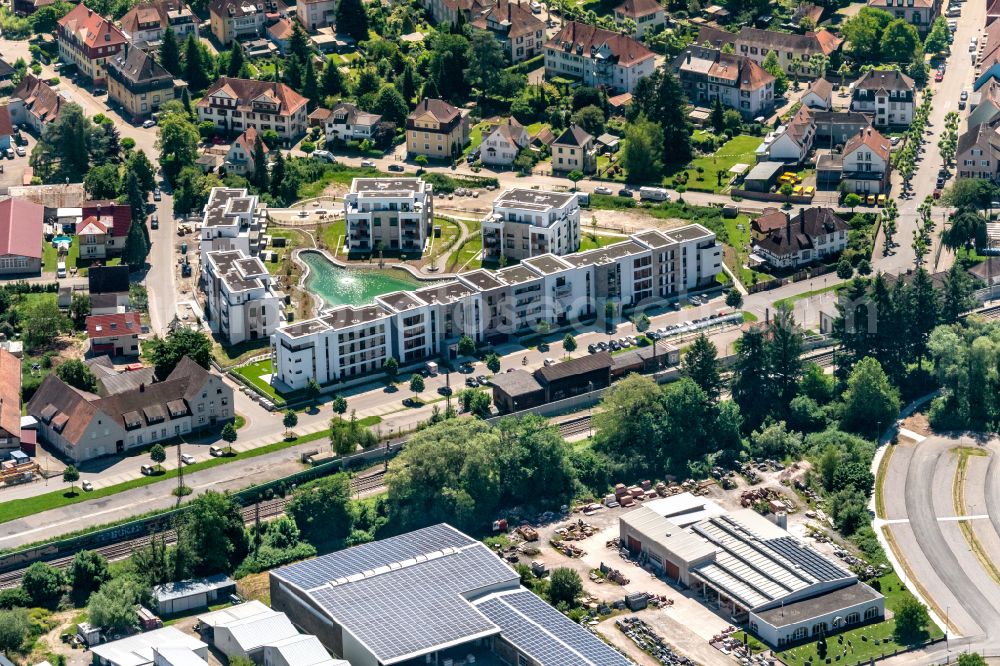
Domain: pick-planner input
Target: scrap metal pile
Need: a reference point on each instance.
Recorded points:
(650, 642)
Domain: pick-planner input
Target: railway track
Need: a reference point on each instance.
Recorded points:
(824, 360)
(575, 426)
(364, 483)
(990, 313)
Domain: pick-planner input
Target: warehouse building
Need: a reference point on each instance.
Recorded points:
(433, 596)
(168, 646)
(187, 595)
(742, 563)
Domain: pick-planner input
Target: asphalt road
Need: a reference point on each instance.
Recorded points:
(921, 516)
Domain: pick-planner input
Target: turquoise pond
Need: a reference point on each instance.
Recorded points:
(352, 286)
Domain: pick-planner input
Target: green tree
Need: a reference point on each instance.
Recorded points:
(67, 146)
(449, 59)
(114, 605)
(701, 365)
(717, 119)
(352, 19)
(863, 32)
(71, 475)
(332, 81)
(416, 386)
(969, 193)
(15, 627)
(493, 363)
(751, 388)
(590, 118)
(77, 374)
(211, 533)
(870, 402)
(166, 353)
(145, 175)
(939, 36)
(772, 66)
(197, 64)
(259, 176)
(475, 402)
(102, 182)
(852, 201)
(229, 436)
(970, 659)
(912, 620)
(236, 60)
(642, 323)
(158, 455)
(967, 229)
(784, 355)
(389, 103)
(565, 586)
(466, 346)
(957, 294)
(900, 42)
(339, 404)
(44, 584)
(734, 298)
(290, 420)
(391, 369)
(486, 62)
(642, 151)
(177, 140)
(569, 343)
(322, 510)
(170, 52)
(87, 572)
(42, 322)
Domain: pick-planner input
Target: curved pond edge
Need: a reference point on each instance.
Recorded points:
(321, 305)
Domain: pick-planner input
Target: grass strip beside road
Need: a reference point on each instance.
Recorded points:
(894, 547)
(15, 509)
(958, 497)
(883, 467)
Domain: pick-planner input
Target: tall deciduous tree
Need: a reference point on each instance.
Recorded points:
(642, 151)
(701, 365)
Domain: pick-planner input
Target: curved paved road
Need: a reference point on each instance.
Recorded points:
(921, 516)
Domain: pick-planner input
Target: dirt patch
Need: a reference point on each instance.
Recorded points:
(918, 423)
(255, 586)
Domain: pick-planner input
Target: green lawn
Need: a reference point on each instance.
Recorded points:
(19, 508)
(50, 257)
(805, 294)
(293, 239)
(535, 128)
(739, 149)
(475, 137)
(450, 233)
(227, 356)
(737, 236)
(254, 372)
(465, 258)
(591, 241)
(333, 235)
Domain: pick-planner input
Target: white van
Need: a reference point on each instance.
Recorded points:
(654, 194)
(215, 451)
(61, 269)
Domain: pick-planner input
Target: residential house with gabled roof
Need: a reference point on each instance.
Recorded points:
(436, 129)
(280, 32)
(819, 96)
(115, 217)
(10, 402)
(346, 122)
(504, 142)
(29, 7)
(888, 97)
(234, 105)
(145, 24)
(984, 104)
(978, 153)
(21, 237)
(140, 84)
(114, 334)
(88, 40)
(649, 16)
(792, 141)
(83, 425)
(92, 238)
(598, 57)
(519, 31)
(919, 13)
(793, 51)
(236, 20)
(866, 162)
(574, 150)
(316, 14)
(446, 12)
(739, 83)
(6, 128)
(807, 236)
(34, 103)
(240, 158)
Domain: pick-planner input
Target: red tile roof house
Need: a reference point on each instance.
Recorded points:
(10, 401)
(21, 237)
(114, 334)
(87, 39)
(115, 217)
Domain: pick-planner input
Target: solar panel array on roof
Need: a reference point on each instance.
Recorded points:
(370, 556)
(423, 602)
(818, 566)
(545, 634)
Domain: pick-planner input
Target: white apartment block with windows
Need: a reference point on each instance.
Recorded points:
(233, 220)
(427, 323)
(389, 213)
(527, 223)
(242, 302)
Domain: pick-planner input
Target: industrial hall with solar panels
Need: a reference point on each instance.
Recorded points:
(432, 596)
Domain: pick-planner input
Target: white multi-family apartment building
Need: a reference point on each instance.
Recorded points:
(235, 105)
(242, 302)
(526, 223)
(598, 57)
(648, 267)
(388, 213)
(233, 220)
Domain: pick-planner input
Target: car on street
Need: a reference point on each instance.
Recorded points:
(937, 193)
(484, 380)
(368, 163)
(549, 361)
(156, 194)
(154, 222)
(10, 153)
(149, 123)
(592, 349)
(961, 104)
(21, 152)
(87, 486)
(323, 155)
(471, 382)
(939, 76)
(536, 7)
(626, 192)
(964, 95)
(398, 168)
(187, 458)
(600, 189)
